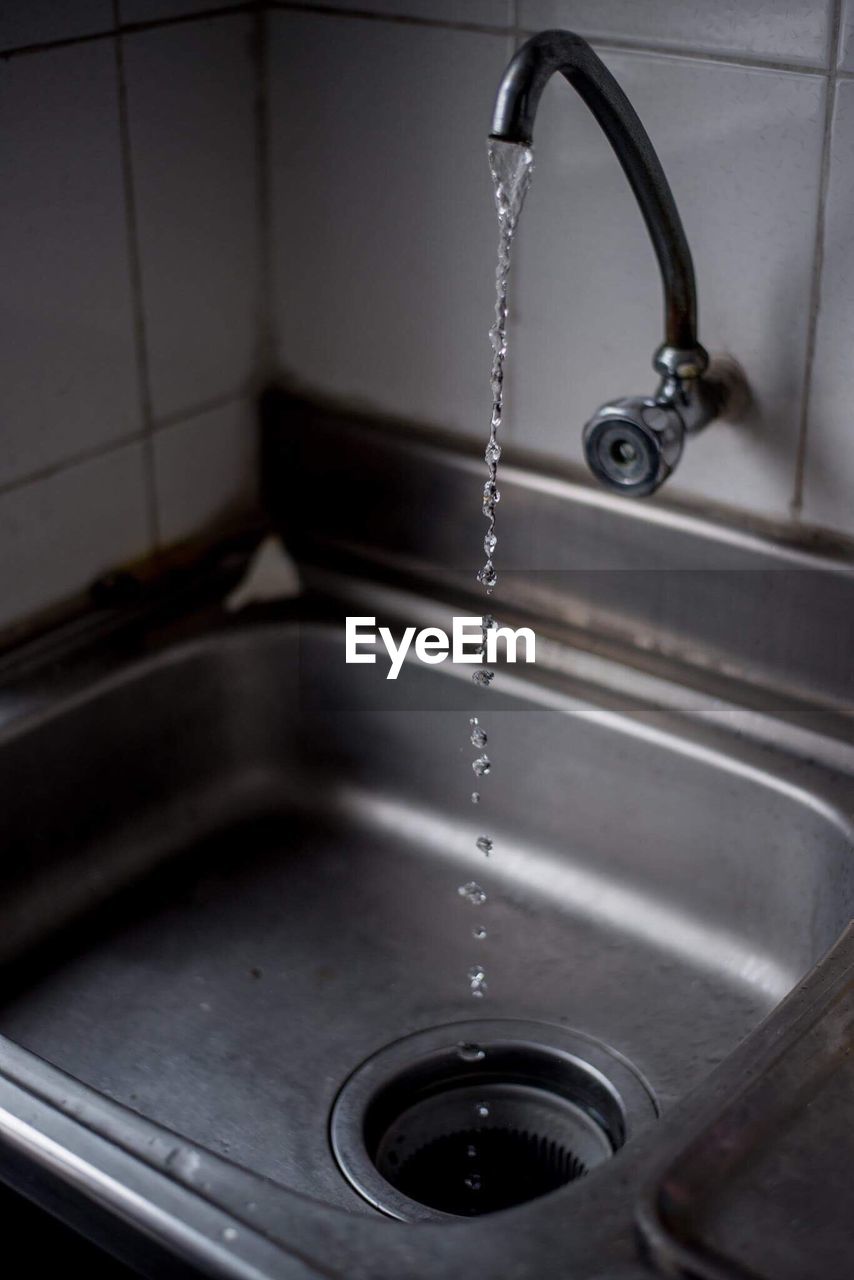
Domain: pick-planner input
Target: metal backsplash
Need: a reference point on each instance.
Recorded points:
(386, 499)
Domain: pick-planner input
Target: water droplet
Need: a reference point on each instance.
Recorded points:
(473, 1181)
(490, 542)
(484, 844)
(478, 932)
(481, 1110)
(471, 1151)
(492, 453)
(483, 676)
(475, 797)
(477, 981)
(470, 1052)
(481, 766)
(487, 577)
(478, 735)
(229, 1234)
(491, 497)
(473, 893)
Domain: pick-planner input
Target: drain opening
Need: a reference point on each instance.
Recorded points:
(469, 1139)
(440, 1153)
(433, 1133)
(482, 1170)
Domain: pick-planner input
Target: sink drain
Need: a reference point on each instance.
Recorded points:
(471, 1118)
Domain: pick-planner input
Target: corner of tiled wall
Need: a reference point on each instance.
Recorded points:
(134, 248)
(129, 237)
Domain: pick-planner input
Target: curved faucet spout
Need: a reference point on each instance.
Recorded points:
(513, 121)
(632, 444)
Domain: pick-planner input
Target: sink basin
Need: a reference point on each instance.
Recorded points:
(231, 877)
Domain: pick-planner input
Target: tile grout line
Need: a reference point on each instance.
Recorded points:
(135, 272)
(518, 30)
(796, 505)
(395, 19)
(127, 29)
(71, 461)
(689, 53)
(608, 44)
(197, 410)
(85, 456)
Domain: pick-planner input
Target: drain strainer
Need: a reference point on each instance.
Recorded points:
(475, 1117)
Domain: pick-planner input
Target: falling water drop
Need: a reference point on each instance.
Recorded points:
(475, 797)
(478, 933)
(481, 766)
(477, 981)
(478, 735)
(484, 844)
(491, 498)
(473, 893)
(483, 676)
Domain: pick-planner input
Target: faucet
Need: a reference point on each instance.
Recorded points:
(631, 444)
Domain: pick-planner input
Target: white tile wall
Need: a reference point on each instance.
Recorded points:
(191, 94)
(397, 232)
(383, 238)
(796, 31)
(829, 487)
(383, 227)
(60, 532)
(72, 383)
(206, 470)
(741, 148)
(68, 380)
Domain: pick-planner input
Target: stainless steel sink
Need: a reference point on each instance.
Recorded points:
(306, 826)
(230, 870)
(255, 851)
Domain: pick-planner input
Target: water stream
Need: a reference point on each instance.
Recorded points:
(511, 166)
